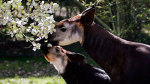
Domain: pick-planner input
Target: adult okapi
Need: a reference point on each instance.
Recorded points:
(126, 62)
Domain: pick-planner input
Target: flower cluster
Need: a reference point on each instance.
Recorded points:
(31, 22)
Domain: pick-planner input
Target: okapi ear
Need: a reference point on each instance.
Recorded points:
(75, 57)
(87, 16)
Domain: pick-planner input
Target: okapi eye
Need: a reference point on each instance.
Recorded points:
(63, 29)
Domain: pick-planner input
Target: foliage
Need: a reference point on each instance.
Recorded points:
(126, 18)
(31, 21)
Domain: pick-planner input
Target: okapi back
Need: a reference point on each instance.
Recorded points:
(126, 62)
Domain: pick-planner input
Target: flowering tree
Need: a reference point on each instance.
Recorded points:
(31, 21)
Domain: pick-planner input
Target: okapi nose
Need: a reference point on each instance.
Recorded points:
(51, 41)
(60, 49)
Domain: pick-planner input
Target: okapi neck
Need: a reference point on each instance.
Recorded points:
(72, 73)
(103, 47)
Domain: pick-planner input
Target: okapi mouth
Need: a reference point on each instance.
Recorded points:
(44, 45)
(45, 48)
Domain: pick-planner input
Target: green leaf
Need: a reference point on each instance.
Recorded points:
(14, 6)
(15, 28)
(46, 23)
(14, 23)
(140, 15)
(148, 11)
(29, 0)
(31, 39)
(51, 3)
(0, 2)
(20, 3)
(20, 35)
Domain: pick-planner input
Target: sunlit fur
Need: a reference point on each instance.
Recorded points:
(57, 58)
(74, 32)
(71, 36)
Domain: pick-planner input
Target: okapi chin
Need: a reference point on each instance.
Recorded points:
(126, 62)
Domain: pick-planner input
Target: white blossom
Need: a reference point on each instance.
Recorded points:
(27, 3)
(19, 0)
(34, 49)
(19, 22)
(10, 1)
(16, 16)
(36, 46)
(42, 2)
(49, 45)
(55, 6)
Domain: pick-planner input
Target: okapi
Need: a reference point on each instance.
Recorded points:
(72, 67)
(125, 62)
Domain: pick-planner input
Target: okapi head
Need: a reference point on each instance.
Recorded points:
(59, 57)
(71, 30)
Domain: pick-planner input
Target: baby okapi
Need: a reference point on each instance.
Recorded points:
(125, 62)
(72, 67)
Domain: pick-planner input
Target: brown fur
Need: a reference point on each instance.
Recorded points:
(126, 62)
(120, 58)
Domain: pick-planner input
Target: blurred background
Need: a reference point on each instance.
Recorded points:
(19, 64)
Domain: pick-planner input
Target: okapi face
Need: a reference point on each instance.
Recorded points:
(59, 57)
(71, 30)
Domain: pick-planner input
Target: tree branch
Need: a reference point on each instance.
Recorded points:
(118, 18)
